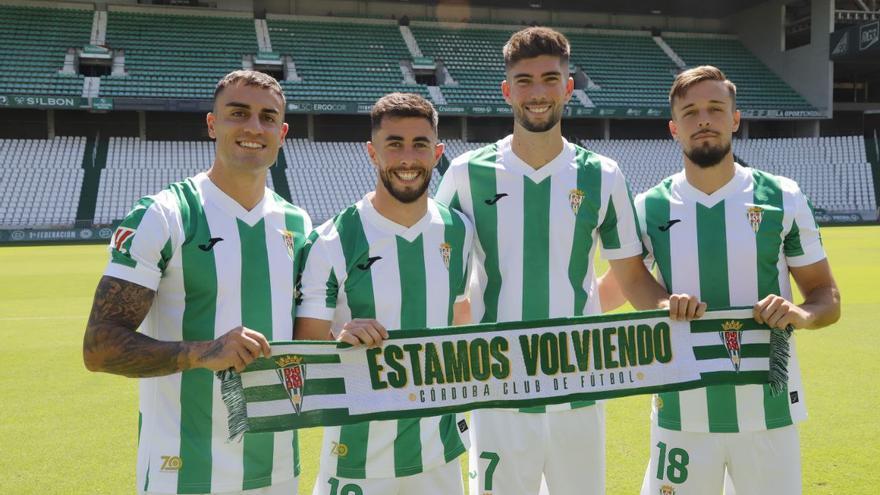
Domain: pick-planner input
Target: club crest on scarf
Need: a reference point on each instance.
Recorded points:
(731, 336)
(755, 214)
(292, 373)
(288, 241)
(446, 253)
(575, 198)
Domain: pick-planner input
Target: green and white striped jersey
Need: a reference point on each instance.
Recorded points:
(537, 231)
(214, 266)
(731, 248)
(362, 265)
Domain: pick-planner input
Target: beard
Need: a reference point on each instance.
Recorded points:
(519, 115)
(707, 156)
(405, 195)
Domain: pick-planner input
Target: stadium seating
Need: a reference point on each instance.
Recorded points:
(832, 171)
(757, 86)
(175, 56)
(342, 60)
(137, 168)
(40, 181)
(35, 41)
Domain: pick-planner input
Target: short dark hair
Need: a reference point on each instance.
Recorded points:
(251, 78)
(687, 79)
(536, 41)
(403, 105)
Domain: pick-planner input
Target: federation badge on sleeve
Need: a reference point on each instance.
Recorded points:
(755, 214)
(288, 241)
(731, 336)
(292, 373)
(121, 238)
(446, 253)
(575, 198)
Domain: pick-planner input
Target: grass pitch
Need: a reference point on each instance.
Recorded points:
(65, 430)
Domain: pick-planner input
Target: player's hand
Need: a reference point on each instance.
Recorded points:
(684, 307)
(362, 331)
(235, 349)
(778, 312)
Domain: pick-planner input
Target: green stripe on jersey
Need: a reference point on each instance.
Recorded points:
(481, 172)
(197, 386)
(413, 286)
(454, 233)
(768, 241)
(413, 314)
(714, 289)
(536, 249)
(256, 314)
(359, 291)
(589, 180)
(449, 433)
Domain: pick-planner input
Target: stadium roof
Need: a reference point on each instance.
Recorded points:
(712, 9)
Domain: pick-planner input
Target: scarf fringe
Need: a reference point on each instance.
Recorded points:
(780, 351)
(232, 392)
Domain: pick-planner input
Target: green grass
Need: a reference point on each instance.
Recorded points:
(65, 430)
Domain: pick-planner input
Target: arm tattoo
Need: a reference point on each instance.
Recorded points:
(112, 343)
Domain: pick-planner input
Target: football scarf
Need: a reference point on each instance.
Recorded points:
(428, 372)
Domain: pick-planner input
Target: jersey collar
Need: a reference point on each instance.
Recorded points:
(512, 163)
(371, 215)
(741, 179)
(213, 195)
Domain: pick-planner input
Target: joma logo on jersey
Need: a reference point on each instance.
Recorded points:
(667, 490)
(446, 253)
(338, 449)
(288, 241)
(755, 214)
(292, 374)
(575, 198)
(171, 463)
(731, 336)
(120, 237)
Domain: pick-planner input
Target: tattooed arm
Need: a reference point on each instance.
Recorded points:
(113, 345)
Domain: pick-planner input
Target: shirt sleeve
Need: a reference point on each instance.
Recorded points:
(141, 247)
(803, 243)
(618, 231)
(447, 192)
(318, 285)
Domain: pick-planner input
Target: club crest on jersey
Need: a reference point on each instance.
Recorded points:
(446, 253)
(731, 336)
(755, 214)
(288, 241)
(292, 373)
(575, 198)
(667, 490)
(120, 237)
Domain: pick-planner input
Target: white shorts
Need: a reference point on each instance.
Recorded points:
(758, 462)
(443, 480)
(288, 487)
(511, 451)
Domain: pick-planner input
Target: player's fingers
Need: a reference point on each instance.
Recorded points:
(771, 308)
(381, 329)
(781, 312)
(362, 334)
(238, 361)
(251, 346)
(263, 342)
(692, 305)
(375, 335)
(701, 310)
(348, 338)
(674, 307)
